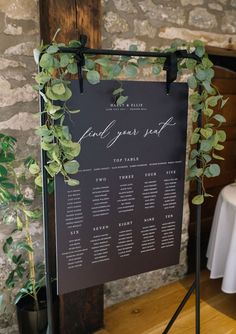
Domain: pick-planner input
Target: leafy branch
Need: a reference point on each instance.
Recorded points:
(17, 212)
(53, 83)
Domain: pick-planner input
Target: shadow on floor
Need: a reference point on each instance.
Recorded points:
(213, 295)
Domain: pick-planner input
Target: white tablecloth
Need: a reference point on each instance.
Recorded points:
(221, 250)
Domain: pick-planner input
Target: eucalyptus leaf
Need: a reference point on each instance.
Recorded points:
(62, 97)
(55, 167)
(214, 169)
(198, 199)
(195, 138)
(218, 147)
(142, 61)
(206, 62)
(190, 64)
(208, 112)
(221, 135)
(206, 145)
(38, 181)
(131, 70)
(121, 100)
(197, 43)
(212, 100)
(64, 59)
(133, 47)
(156, 69)
(192, 82)
(102, 61)
(194, 153)
(52, 49)
(46, 61)
(52, 109)
(89, 64)
(42, 78)
(118, 91)
(200, 51)
(195, 115)
(207, 173)
(207, 133)
(208, 87)
(209, 74)
(200, 74)
(46, 146)
(195, 98)
(72, 68)
(116, 70)
(72, 182)
(217, 157)
(93, 77)
(43, 131)
(192, 162)
(219, 118)
(207, 157)
(74, 43)
(59, 89)
(71, 167)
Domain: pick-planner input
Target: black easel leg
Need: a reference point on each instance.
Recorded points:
(48, 278)
(198, 238)
(180, 307)
(198, 265)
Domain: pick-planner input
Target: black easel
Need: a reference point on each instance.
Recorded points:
(170, 66)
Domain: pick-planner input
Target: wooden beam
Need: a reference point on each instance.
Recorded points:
(73, 17)
(80, 311)
(88, 20)
(55, 14)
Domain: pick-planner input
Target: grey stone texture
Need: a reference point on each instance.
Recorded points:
(144, 28)
(191, 2)
(201, 18)
(229, 22)
(161, 13)
(125, 6)
(113, 23)
(19, 34)
(233, 3)
(215, 6)
(150, 22)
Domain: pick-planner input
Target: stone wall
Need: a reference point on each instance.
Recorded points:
(149, 23)
(19, 34)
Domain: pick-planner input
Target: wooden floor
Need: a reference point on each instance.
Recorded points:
(150, 313)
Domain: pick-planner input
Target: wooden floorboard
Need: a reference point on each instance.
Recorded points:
(150, 313)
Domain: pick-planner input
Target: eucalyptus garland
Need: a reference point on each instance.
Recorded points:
(53, 83)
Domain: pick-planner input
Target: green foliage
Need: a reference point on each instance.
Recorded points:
(54, 86)
(18, 212)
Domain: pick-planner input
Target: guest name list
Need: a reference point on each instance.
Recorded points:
(125, 217)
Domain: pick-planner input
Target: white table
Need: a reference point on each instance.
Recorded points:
(221, 250)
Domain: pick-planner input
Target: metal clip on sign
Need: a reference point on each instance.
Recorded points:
(171, 68)
(80, 59)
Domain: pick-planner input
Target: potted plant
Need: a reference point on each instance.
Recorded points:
(25, 276)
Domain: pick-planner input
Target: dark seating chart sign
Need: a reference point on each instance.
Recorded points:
(125, 217)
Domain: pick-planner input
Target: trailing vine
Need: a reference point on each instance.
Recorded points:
(53, 84)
